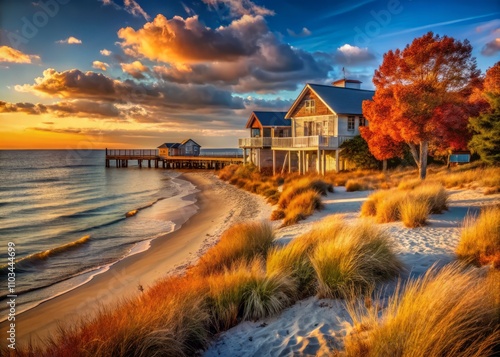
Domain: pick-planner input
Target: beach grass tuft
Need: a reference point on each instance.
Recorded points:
(301, 206)
(353, 261)
(242, 240)
(414, 212)
(453, 312)
(480, 238)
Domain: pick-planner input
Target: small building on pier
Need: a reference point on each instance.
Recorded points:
(188, 147)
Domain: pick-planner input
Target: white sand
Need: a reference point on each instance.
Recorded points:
(314, 327)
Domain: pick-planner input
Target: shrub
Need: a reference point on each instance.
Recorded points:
(354, 185)
(447, 313)
(243, 240)
(351, 263)
(480, 238)
(414, 212)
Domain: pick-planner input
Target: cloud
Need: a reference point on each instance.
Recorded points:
(239, 8)
(304, 33)
(11, 55)
(70, 41)
(242, 56)
(91, 86)
(188, 40)
(130, 6)
(187, 9)
(491, 48)
(348, 54)
(27, 108)
(252, 103)
(100, 65)
(106, 52)
(135, 9)
(135, 69)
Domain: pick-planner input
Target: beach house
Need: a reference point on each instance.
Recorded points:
(320, 120)
(264, 126)
(186, 148)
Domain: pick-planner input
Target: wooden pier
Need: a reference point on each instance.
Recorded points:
(151, 158)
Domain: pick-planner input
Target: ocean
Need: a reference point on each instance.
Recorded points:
(70, 218)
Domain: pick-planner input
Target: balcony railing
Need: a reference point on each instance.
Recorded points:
(306, 142)
(255, 142)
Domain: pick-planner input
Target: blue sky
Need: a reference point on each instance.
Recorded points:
(138, 73)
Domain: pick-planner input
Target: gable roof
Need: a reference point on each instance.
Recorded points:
(185, 141)
(169, 145)
(268, 119)
(340, 100)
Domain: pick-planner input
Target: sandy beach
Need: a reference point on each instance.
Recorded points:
(219, 206)
(315, 327)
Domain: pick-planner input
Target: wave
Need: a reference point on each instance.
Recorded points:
(42, 256)
(135, 211)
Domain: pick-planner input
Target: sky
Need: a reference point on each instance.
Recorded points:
(93, 74)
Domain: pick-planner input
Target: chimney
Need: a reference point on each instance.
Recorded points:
(347, 83)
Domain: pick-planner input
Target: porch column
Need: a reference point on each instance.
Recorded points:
(289, 161)
(244, 156)
(337, 168)
(307, 161)
(274, 162)
(324, 162)
(258, 159)
(318, 161)
(299, 159)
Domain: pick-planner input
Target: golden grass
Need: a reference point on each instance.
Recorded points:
(353, 261)
(409, 183)
(302, 206)
(245, 292)
(447, 313)
(243, 240)
(414, 212)
(434, 193)
(388, 208)
(480, 238)
(356, 185)
(296, 187)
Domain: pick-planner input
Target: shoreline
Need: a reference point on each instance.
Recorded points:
(168, 254)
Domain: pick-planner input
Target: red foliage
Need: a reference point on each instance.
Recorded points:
(422, 94)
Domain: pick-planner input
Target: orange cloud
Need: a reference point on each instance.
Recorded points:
(135, 69)
(178, 39)
(11, 55)
(106, 52)
(100, 65)
(71, 41)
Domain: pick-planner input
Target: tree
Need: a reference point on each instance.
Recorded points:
(422, 96)
(486, 127)
(356, 150)
(381, 146)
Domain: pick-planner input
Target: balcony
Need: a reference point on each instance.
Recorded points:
(255, 142)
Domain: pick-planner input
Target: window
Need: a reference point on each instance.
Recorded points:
(362, 121)
(325, 127)
(350, 123)
(310, 106)
(255, 133)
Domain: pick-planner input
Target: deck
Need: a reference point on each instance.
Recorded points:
(151, 158)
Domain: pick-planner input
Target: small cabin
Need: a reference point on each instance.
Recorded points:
(186, 148)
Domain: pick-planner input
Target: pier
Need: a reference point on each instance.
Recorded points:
(150, 158)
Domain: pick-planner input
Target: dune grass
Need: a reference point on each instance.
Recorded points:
(242, 240)
(352, 262)
(302, 206)
(245, 292)
(480, 238)
(298, 186)
(412, 203)
(447, 313)
(414, 212)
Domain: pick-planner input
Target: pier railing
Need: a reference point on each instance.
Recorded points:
(131, 152)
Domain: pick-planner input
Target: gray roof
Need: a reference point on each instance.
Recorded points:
(272, 118)
(343, 100)
(169, 145)
(185, 141)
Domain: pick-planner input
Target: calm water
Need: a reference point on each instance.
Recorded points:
(66, 214)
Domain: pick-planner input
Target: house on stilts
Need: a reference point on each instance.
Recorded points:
(308, 137)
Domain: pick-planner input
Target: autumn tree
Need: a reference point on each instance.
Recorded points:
(381, 146)
(486, 127)
(422, 97)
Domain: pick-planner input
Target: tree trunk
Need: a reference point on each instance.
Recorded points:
(384, 166)
(424, 148)
(414, 154)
